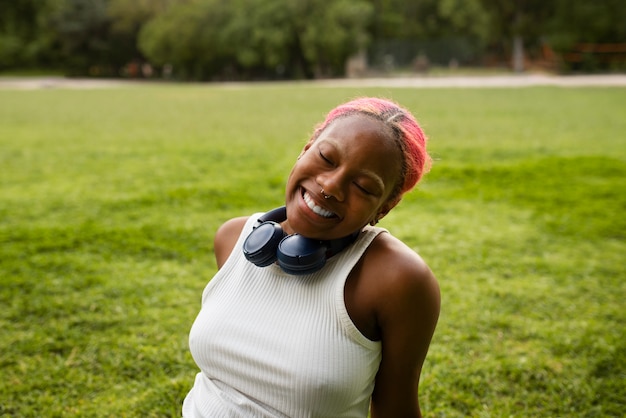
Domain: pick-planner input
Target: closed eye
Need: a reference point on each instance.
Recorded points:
(363, 189)
(325, 159)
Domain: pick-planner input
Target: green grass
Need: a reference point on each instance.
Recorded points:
(109, 200)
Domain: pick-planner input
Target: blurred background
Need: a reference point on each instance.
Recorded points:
(221, 40)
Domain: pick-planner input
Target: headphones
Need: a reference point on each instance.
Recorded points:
(298, 255)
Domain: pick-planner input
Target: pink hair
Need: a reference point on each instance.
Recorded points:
(406, 129)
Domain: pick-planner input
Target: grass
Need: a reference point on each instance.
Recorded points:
(109, 200)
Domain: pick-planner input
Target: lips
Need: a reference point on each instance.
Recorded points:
(324, 213)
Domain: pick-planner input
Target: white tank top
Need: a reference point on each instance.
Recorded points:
(270, 344)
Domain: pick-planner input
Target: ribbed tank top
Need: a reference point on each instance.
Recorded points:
(270, 344)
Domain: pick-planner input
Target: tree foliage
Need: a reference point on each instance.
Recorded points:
(82, 27)
(247, 38)
(599, 21)
(251, 39)
(25, 35)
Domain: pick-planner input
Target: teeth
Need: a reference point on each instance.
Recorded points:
(317, 209)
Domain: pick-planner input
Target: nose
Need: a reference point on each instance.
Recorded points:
(332, 184)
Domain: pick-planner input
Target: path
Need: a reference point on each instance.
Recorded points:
(525, 80)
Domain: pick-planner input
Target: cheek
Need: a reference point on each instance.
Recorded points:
(294, 174)
(293, 171)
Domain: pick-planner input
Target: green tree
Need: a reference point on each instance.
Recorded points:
(261, 35)
(26, 39)
(127, 20)
(518, 24)
(256, 38)
(463, 18)
(190, 37)
(82, 27)
(598, 22)
(439, 29)
(298, 39)
(130, 16)
(428, 19)
(331, 31)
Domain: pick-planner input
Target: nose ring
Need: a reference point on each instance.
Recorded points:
(326, 196)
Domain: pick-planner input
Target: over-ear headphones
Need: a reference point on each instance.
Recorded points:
(268, 243)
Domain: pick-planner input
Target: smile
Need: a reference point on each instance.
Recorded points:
(315, 208)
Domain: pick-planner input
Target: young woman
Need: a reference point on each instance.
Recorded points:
(314, 311)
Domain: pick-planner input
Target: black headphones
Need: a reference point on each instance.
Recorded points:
(268, 243)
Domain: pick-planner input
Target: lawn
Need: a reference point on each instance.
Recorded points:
(109, 200)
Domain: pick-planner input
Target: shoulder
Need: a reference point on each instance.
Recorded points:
(226, 238)
(407, 310)
(409, 270)
(405, 285)
(391, 283)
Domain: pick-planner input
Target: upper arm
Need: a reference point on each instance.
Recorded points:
(226, 238)
(407, 312)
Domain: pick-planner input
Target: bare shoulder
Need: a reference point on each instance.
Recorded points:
(401, 268)
(226, 238)
(406, 306)
(408, 292)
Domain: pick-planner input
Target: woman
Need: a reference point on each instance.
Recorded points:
(335, 324)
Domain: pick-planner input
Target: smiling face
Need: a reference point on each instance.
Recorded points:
(357, 163)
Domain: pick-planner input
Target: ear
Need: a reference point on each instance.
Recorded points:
(384, 210)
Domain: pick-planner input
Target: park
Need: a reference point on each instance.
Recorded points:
(130, 131)
(110, 198)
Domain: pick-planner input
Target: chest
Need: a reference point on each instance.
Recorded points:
(259, 333)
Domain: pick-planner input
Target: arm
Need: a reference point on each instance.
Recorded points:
(226, 238)
(407, 311)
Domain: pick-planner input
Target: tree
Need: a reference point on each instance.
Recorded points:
(127, 19)
(190, 37)
(463, 18)
(25, 37)
(593, 34)
(82, 27)
(262, 36)
(518, 23)
(441, 30)
(332, 31)
(265, 38)
(130, 16)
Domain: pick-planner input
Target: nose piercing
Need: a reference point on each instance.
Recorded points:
(326, 196)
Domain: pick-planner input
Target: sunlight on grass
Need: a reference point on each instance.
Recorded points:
(109, 200)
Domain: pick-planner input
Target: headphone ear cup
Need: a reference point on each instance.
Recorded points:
(299, 255)
(261, 245)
